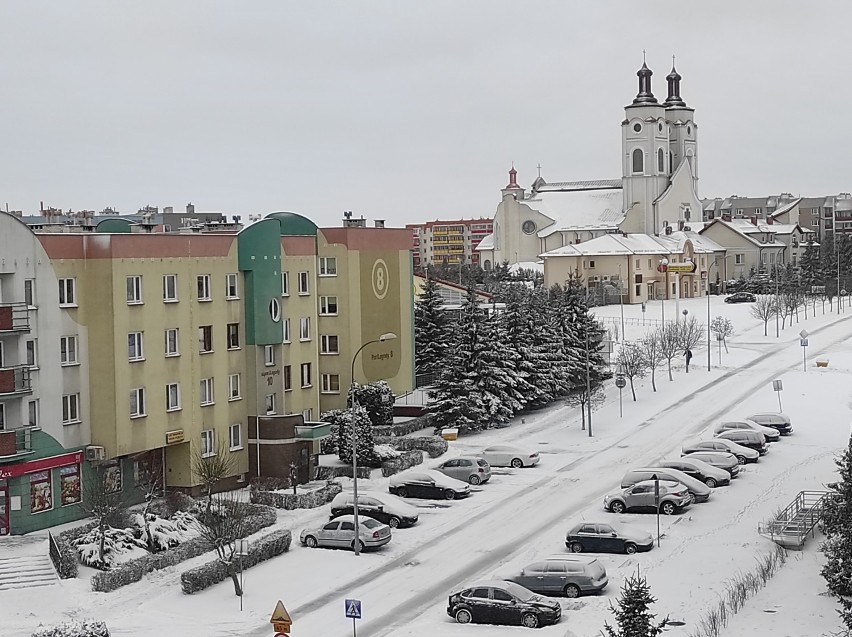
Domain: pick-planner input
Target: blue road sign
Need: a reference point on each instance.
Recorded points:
(353, 608)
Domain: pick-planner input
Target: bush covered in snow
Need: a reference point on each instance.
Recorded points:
(405, 460)
(280, 500)
(165, 534)
(84, 628)
(115, 542)
(385, 452)
(377, 399)
(433, 445)
(206, 575)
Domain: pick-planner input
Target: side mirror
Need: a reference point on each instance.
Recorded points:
(614, 534)
(381, 507)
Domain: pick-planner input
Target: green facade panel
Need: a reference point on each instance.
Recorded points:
(259, 257)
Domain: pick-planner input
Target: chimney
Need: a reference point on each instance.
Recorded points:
(380, 223)
(190, 208)
(668, 230)
(754, 221)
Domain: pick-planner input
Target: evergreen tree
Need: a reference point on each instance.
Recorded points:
(809, 266)
(518, 341)
(545, 342)
(431, 330)
(837, 526)
(632, 615)
(493, 368)
(364, 446)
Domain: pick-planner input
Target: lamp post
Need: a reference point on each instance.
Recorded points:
(588, 382)
(663, 268)
(619, 382)
(388, 336)
(777, 304)
(621, 299)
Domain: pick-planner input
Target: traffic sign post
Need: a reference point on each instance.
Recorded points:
(777, 386)
(620, 383)
(353, 611)
(804, 343)
(280, 620)
(657, 503)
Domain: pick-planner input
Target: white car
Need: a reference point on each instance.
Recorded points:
(771, 434)
(510, 456)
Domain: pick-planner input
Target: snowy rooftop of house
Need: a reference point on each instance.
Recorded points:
(569, 186)
(700, 244)
(487, 242)
(598, 209)
(620, 244)
(747, 227)
(786, 207)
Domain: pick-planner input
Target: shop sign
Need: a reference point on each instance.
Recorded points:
(174, 437)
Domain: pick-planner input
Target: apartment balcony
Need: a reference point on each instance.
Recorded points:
(313, 431)
(15, 443)
(14, 317)
(15, 381)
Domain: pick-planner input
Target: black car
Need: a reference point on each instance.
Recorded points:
(746, 438)
(695, 468)
(605, 538)
(503, 603)
(741, 297)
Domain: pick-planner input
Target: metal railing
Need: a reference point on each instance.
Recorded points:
(15, 380)
(791, 526)
(14, 317)
(54, 552)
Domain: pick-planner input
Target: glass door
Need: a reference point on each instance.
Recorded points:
(4, 509)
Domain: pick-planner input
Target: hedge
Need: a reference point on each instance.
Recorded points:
(74, 628)
(407, 460)
(403, 428)
(64, 554)
(134, 570)
(201, 577)
(340, 471)
(289, 501)
(433, 445)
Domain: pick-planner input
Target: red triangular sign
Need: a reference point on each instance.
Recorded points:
(280, 614)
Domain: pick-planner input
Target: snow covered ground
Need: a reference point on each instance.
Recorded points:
(522, 515)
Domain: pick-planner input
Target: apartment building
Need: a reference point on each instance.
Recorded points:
(448, 242)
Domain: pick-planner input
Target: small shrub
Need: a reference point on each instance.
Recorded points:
(84, 628)
(406, 460)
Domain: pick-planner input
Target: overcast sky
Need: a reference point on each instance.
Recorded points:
(403, 110)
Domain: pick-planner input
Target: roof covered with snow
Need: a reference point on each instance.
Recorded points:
(629, 244)
(579, 209)
(487, 242)
(536, 266)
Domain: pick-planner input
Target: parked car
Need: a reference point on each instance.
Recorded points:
(503, 603)
(384, 507)
(741, 297)
(742, 454)
(569, 575)
(700, 491)
(745, 438)
(427, 483)
(771, 435)
(695, 468)
(720, 459)
(640, 497)
(510, 456)
(774, 419)
(340, 533)
(470, 469)
(598, 537)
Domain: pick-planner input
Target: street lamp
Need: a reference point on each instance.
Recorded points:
(663, 268)
(388, 336)
(621, 299)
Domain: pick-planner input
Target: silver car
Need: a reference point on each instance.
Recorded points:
(771, 435)
(569, 575)
(673, 497)
(470, 469)
(510, 456)
(743, 454)
(340, 533)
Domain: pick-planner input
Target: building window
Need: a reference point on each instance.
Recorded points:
(68, 350)
(206, 391)
(330, 383)
(287, 330)
(172, 396)
(205, 339)
(234, 387)
(304, 287)
(285, 284)
(203, 287)
(32, 357)
(328, 266)
(306, 374)
(70, 409)
(287, 377)
(268, 355)
(134, 290)
(32, 413)
(329, 344)
(235, 434)
(29, 292)
(170, 288)
(233, 330)
(308, 415)
(270, 404)
(135, 352)
(739, 259)
(67, 292)
(638, 290)
(638, 267)
(661, 161)
(328, 305)
(305, 329)
(137, 402)
(41, 494)
(231, 288)
(638, 161)
(172, 342)
(2, 417)
(208, 443)
(591, 264)
(69, 485)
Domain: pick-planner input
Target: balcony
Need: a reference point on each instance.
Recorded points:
(14, 317)
(15, 443)
(15, 381)
(313, 431)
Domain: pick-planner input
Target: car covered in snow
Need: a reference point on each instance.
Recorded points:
(750, 439)
(500, 602)
(384, 507)
(720, 459)
(568, 575)
(340, 533)
(742, 454)
(700, 491)
(641, 497)
(695, 468)
(771, 434)
(427, 483)
(601, 537)
(510, 456)
(774, 419)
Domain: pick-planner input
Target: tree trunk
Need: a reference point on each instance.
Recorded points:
(725, 343)
(670, 369)
(235, 578)
(632, 389)
(653, 380)
(102, 528)
(765, 327)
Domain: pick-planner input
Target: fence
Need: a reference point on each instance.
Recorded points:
(643, 322)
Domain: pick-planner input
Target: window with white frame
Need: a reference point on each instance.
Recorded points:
(308, 414)
(31, 352)
(2, 416)
(739, 259)
(305, 328)
(137, 402)
(234, 391)
(67, 292)
(170, 288)
(134, 290)
(32, 413)
(68, 350)
(202, 283)
(29, 292)
(270, 403)
(171, 342)
(287, 375)
(328, 305)
(232, 291)
(208, 443)
(172, 396)
(233, 330)
(306, 374)
(591, 264)
(329, 344)
(304, 283)
(285, 284)
(206, 391)
(205, 339)
(328, 266)
(135, 351)
(70, 409)
(330, 384)
(268, 355)
(286, 325)
(235, 435)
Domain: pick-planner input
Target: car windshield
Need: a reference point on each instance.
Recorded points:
(370, 523)
(520, 592)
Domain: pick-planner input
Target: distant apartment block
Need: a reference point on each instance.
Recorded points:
(448, 242)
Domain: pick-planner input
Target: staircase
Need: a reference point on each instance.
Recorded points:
(791, 526)
(25, 563)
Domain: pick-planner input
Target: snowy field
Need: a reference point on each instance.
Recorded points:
(522, 515)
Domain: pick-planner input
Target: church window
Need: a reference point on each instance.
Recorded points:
(637, 128)
(638, 161)
(661, 161)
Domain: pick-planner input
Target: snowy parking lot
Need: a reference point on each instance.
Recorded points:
(522, 515)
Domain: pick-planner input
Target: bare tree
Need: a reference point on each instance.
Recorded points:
(104, 501)
(668, 342)
(690, 333)
(653, 354)
(764, 308)
(789, 305)
(722, 327)
(634, 363)
(579, 398)
(220, 527)
(150, 483)
(213, 467)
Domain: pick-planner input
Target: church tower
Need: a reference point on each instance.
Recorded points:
(683, 139)
(645, 148)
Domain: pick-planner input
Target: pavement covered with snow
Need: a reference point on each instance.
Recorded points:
(522, 515)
